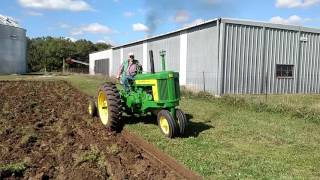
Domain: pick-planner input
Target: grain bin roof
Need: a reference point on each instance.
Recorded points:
(232, 21)
(9, 21)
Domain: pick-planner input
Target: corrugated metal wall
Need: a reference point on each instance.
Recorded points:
(202, 58)
(115, 62)
(249, 55)
(309, 80)
(101, 66)
(171, 44)
(243, 59)
(282, 47)
(12, 50)
(136, 49)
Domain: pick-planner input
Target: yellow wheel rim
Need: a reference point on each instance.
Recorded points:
(103, 107)
(90, 109)
(164, 125)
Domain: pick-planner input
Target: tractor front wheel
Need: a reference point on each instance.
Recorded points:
(109, 107)
(167, 124)
(182, 121)
(92, 108)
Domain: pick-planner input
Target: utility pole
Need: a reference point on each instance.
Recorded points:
(63, 66)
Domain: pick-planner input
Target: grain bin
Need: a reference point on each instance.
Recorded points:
(13, 44)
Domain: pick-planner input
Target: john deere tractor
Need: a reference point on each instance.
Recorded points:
(156, 93)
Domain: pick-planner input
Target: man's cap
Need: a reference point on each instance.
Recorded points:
(130, 54)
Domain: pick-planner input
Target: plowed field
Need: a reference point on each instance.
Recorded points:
(45, 133)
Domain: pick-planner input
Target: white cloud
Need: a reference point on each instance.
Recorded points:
(94, 28)
(71, 5)
(107, 40)
(292, 20)
(64, 25)
(181, 16)
(296, 3)
(128, 14)
(34, 13)
(140, 27)
(195, 22)
(101, 41)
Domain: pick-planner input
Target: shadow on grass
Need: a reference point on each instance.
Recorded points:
(193, 129)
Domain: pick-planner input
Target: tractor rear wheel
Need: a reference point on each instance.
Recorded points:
(167, 124)
(182, 121)
(92, 108)
(109, 107)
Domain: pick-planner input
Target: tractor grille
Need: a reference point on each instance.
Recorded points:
(163, 87)
(177, 88)
(169, 91)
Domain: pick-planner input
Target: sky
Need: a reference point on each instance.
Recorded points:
(121, 21)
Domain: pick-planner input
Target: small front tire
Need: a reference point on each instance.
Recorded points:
(92, 108)
(167, 124)
(182, 121)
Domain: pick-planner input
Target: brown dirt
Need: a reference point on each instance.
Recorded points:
(45, 126)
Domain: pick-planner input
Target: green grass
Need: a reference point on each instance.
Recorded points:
(240, 137)
(231, 142)
(311, 101)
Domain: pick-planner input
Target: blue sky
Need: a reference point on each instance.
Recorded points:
(121, 21)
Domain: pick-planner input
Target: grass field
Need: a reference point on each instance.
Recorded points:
(228, 141)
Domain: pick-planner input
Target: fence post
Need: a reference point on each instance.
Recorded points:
(63, 66)
(266, 86)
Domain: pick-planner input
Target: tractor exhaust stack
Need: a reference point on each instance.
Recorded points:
(151, 61)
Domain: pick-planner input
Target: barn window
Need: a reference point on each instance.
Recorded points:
(284, 71)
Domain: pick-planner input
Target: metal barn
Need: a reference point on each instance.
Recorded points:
(13, 45)
(228, 56)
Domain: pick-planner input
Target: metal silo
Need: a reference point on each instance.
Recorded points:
(12, 47)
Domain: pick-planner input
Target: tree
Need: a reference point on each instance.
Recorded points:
(47, 53)
(102, 46)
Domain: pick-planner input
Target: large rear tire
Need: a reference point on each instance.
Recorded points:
(167, 124)
(182, 121)
(109, 107)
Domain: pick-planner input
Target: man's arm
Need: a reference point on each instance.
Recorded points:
(120, 70)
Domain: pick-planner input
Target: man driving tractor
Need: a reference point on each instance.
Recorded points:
(153, 92)
(128, 69)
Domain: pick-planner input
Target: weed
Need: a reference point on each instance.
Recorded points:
(104, 166)
(91, 156)
(113, 149)
(14, 169)
(94, 156)
(29, 138)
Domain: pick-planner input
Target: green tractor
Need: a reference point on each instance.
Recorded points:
(157, 93)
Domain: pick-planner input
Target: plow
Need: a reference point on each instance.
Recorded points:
(151, 93)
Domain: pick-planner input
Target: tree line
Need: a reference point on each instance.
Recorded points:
(48, 53)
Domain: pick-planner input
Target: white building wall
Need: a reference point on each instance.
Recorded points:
(107, 54)
(183, 58)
